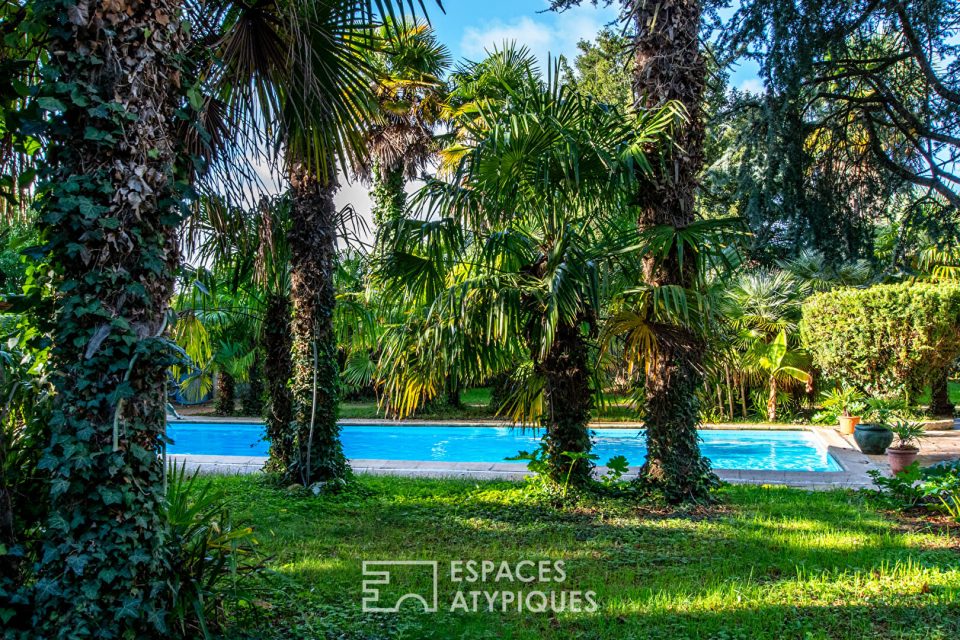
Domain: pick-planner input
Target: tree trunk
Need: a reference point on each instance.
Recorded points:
(726, 371)
(226, 394)
(940, 404)
(567, 405)
(318, 453)
(453, 395)
(772, 400)
(252, 402)
(388, 194)
(108, 216)
(278, 370)
(668, 67)
(743, 398)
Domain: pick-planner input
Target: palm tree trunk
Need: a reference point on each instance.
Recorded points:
(109, 216)
(568, 403)
(252, 401)
(940, 404)
(389, 194)
(315, 383)
(743, 397)
(226, 394)
(668, 67)
(726, 371)
(278, 370)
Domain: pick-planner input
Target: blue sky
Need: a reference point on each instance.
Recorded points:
(469, 27)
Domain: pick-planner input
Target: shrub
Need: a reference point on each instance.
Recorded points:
(210, 554)
(886, 339)
(25, 404)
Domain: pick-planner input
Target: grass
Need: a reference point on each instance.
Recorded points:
(476, 406)
(765, 562)
(953, 391)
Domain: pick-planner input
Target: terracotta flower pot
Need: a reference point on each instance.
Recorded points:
(900, 459)
(848, 424)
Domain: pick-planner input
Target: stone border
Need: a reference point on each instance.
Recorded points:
(855, 466)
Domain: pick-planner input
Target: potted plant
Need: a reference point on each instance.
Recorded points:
(846, 401)
(904, 452)
(873, 436)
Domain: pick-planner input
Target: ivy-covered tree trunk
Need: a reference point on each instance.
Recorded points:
(388, 194)
(318, 454)
(940, 404)
(252, 401)
(669, 67)
(108, 216)
(226, 394)
(568, 403)
(278, 370)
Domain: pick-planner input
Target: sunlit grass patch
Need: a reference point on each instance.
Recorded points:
(762, 563)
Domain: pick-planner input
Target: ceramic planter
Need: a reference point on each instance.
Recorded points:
(872, 439)
(848, 423)
(900, 459)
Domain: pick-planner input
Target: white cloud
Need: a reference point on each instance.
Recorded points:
(357, 195)
(548, 34)
(524, 31)
(753, 85)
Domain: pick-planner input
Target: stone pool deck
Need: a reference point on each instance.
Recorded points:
(937, 446)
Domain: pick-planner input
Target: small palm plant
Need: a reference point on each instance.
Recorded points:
(907, 446)
(908, 434)
(844, 399)
(847, 402)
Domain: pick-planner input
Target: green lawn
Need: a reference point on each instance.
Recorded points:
(764, 563)
(476, 406)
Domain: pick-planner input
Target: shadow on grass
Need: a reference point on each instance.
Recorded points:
(766, 562)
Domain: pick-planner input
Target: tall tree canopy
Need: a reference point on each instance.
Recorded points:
(858, 120)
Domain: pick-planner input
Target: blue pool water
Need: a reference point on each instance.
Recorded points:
(770, 450)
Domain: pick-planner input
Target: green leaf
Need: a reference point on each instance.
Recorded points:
(777, 350)
(50, 104)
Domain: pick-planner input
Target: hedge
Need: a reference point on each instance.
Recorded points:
(886, 339)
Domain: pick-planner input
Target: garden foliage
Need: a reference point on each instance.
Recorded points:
(886, 339)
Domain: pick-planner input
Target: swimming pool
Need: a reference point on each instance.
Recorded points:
(753, 450)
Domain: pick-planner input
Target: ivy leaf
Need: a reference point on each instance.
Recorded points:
(50, 104)
(77, 563)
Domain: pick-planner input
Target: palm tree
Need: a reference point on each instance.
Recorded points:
(542, 195)
(669, 69)
(273, 277)
(409, 91)
(108, 215)
(117, 150)
(303, 68)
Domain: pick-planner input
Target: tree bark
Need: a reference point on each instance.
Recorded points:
(388, 194)
(318, 454)
(226, 395)
(109, 214)
(669, 68)
(252, 401)
(568, 403)
(940, 404)
(278, 370)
